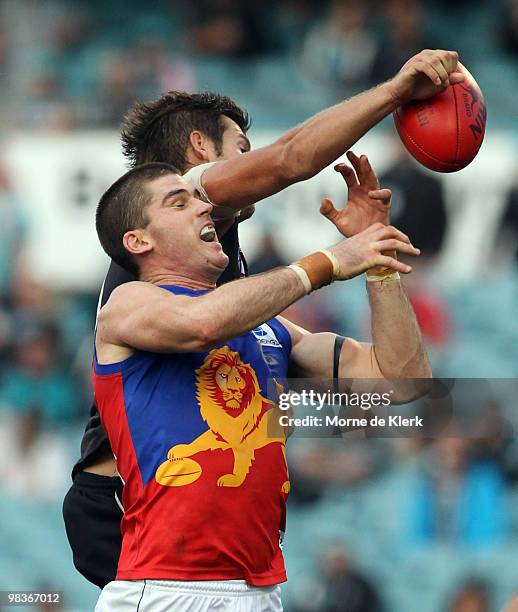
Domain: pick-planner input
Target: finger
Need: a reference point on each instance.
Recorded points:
(428, 70)
(457, 77)
(381, 194)
(393, 264)
(348, 174)
(363, 169)
(370, 180)
(396, 245)
(327, 209)
(355, 162)
(441, 70)
(389, 231)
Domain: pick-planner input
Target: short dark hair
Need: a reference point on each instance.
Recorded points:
(159, 131)
(123, 208)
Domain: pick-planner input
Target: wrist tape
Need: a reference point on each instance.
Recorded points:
(317, 270)
(382, 273)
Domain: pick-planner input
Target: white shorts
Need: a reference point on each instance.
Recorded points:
(191, 596)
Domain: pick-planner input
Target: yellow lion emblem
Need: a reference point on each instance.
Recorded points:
(230, 403)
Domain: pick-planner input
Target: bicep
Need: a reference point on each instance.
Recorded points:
(312, 355)
(151, 319)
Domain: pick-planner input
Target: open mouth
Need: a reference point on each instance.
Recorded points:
(208, 234)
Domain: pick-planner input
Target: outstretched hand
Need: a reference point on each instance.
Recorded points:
(366, 202)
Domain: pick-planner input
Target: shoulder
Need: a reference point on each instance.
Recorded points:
(131, 296)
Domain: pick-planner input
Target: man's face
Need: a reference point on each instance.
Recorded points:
(180, 228)
(234, 142)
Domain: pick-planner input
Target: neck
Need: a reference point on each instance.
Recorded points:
(167, 278)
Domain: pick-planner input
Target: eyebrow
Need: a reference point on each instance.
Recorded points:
(173, 193)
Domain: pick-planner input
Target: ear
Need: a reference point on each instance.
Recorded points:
(199, 146)
(137, 242)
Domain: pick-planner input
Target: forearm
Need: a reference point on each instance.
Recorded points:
(299, 154)
(397, 341)
(242, 305)
(320, 140)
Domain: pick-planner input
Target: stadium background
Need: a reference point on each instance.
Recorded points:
(398, 525)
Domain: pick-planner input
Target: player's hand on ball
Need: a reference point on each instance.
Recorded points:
(425, 75)
(366, 202)
(366, 250)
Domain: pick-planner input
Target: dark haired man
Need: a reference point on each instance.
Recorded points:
(180, 379)
(204, 135)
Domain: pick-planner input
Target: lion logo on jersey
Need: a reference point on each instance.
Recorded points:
(231, 404)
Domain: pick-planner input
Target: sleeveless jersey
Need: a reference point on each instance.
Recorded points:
(202, 456)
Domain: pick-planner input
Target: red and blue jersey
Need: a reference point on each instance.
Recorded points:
(202, 456)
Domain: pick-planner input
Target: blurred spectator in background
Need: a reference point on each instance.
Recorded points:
(339, 51)
(37, 379)
(458, 498)
(418, 205)
(45, 105)
(231, 28)
(13, 233)
(33, 458)
(317, 465)
(156, 70)
(403, 38)
(340, 587)
(268, 256)
(472, 596)
(116, 88)
(509, 27)
(509, 223)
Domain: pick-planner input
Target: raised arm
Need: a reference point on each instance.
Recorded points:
(308, 148)
(397, 349)
(143, 316)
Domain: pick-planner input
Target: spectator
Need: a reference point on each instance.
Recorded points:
(268, 256)
(230, 28)
(509, 223)
(339, 51)
(457, 497)
(509, 28)
(116, 93)
(33, 459)
(37, 379)
(418, 205)
(472, 596)
(155, 71)
(340, 587)
(404, 38)
(13, 234)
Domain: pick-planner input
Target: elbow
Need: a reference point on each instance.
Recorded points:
(206, 334)
(296, 165)
(411, 380)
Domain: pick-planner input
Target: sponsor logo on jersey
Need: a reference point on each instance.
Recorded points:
(265, 335)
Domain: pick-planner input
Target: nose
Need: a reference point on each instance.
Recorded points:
(203, 208)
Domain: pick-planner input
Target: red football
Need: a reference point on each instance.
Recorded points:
(445, 132)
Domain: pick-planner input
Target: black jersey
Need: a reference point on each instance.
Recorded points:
(95, 442)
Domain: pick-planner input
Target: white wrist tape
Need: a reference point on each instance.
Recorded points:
(334, 261)
(388, 277)
(303, 277)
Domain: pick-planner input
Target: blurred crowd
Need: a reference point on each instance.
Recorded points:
(69, 64)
